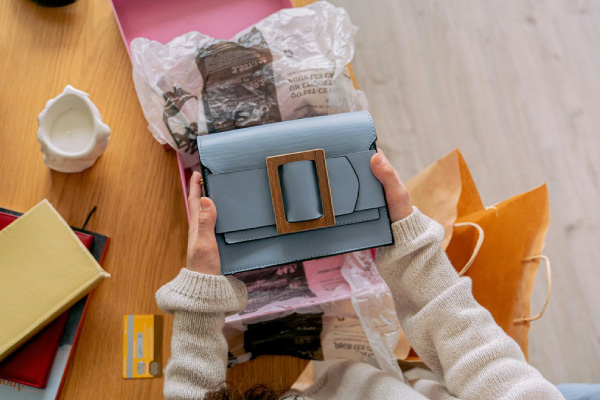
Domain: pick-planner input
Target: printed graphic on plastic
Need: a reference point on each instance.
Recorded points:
(238, 83)
(274, 285)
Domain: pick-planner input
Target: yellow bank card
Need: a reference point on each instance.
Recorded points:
(142, 344)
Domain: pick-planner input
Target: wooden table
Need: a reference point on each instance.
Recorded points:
(135, 184)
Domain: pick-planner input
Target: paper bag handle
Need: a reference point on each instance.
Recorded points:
(477, 246)
(549, 275)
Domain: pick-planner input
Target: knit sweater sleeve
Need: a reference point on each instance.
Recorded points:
(455, 336)
(199, 304)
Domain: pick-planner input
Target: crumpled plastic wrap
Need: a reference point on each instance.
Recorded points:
(331, 308)
(290, 65)
(374, 305)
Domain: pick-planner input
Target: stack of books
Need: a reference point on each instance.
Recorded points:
(47, 271)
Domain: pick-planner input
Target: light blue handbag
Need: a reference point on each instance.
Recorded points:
(295, 190)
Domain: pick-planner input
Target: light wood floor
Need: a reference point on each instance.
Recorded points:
(515, 85)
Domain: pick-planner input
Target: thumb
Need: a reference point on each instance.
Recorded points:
(396, 194)
(207, 217)
(203, 252)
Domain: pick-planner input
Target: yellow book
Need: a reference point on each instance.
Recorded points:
(44, 270)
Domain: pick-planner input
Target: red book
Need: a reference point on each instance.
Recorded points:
(32, 362)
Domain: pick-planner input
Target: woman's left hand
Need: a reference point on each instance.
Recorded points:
(202, 253)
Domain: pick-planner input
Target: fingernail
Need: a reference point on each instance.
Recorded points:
(204, 203)
(377, 159)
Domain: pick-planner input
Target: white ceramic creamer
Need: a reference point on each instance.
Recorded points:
(71, 131)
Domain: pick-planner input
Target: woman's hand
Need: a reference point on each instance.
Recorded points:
(396, 194)
(203, 253)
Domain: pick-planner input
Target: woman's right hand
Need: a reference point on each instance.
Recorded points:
(398, 201)
(203, 253)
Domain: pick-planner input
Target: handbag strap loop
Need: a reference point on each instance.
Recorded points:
(328, 216)
(549, 275)
(477, 245)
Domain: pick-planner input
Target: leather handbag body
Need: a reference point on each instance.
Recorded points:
(294, 191)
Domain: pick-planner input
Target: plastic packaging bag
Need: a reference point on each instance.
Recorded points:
(290, 65)
(325, 309)
(374, 305)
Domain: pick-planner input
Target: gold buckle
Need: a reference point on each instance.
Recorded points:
(328, 218)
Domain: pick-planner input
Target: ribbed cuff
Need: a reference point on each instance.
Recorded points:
(197, 292)
(411, 227)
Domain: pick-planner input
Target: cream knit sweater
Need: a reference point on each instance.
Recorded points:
(456, 337)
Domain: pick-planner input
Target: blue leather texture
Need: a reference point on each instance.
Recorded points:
(294, 247)
(247, 148)
(244, 198)
(270, 231)
(300, 191)
(236, 178)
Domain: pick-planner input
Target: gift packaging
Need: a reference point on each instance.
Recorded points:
(296, 62)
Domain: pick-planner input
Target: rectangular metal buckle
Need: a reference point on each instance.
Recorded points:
(328, 218)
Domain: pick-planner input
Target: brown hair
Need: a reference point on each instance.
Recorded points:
(256, 392)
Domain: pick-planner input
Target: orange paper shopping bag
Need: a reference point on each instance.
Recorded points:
(504, 270)
(498, 247)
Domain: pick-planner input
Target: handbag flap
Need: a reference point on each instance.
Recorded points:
(246, 149)
(237, 179)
